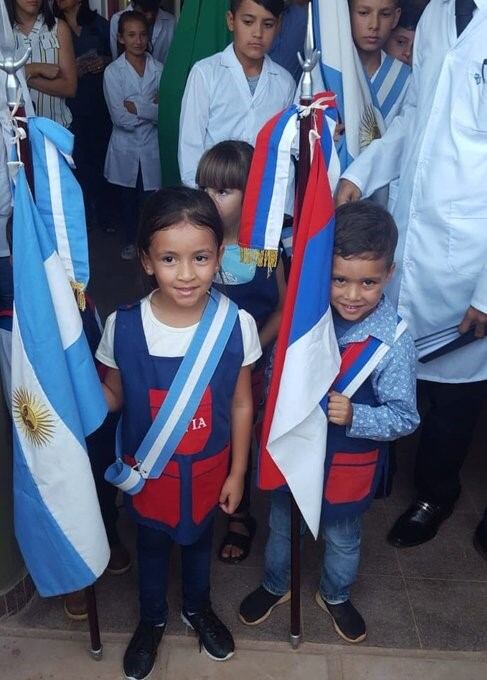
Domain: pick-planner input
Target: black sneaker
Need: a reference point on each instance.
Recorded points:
(258, 606)
(140, 655)
(347, 621)
(214, 636)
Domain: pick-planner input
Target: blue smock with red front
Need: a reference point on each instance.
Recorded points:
(182, 501)
(353, 466)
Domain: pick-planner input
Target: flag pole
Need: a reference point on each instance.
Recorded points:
(308, 62)
(15, 103)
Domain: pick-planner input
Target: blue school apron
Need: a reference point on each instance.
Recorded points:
(353, 467)
(184, 498)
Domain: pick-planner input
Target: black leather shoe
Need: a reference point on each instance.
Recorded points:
(480, 540)
(419, 524)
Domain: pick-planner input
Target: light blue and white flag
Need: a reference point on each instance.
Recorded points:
(57, 401)
(341, 72)
(388, 87)
(59, 198)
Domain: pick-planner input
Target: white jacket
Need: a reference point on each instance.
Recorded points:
(438, 148)
(218, 105)
(162, 33)
(134, 137)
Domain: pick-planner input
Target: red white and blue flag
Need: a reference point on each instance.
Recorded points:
(307, 360)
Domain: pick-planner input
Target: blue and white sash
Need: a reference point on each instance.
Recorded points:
(186, 391)
(387, 86)
(360, 359)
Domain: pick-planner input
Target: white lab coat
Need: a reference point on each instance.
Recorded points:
(162, 33)
(218, 105)
(134, 138)
(438, 148)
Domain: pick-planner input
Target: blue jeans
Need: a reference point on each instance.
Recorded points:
(340, 559)
(153, 555)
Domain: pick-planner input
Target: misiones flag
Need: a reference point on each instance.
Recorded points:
(56, 402)
(293, 443)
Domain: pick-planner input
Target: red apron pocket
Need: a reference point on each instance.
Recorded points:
(200, 426)
(160, 499)
(351, 476)
(208, 476)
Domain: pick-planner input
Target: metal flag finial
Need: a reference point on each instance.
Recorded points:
(309, 59)
(8, 63)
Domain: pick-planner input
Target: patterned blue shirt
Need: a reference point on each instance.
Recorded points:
(393, 380)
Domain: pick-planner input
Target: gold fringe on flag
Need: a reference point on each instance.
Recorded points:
(261, 258)
(79, 294)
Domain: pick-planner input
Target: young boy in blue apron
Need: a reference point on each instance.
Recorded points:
(378, 369)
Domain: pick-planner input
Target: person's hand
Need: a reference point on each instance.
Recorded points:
(96, 65)
(48, 71)
(340, 409)
(474, 317)
(155, 99)
(347, 192)
(339, 130)
(130, 106)
(231, 493)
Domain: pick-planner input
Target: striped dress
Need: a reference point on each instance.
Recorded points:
(45, 50)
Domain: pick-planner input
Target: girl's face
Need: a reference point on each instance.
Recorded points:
(229, 205)
(29, 7)
(134, 37)
(184, 260)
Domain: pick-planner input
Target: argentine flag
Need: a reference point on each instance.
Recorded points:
(57, 401)
(341, 71)
(307, 359)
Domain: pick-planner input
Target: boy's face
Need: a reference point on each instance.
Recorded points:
(372, 23)
(400, 44)
(357, 285)
(254, 30)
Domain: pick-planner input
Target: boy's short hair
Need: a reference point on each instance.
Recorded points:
(365, 228)
(147, 5)
(225, 166)
(276, 7)
(409, 16)
(398, 3)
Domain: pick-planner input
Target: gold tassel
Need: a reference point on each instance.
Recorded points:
(79, 294)
(261, 258)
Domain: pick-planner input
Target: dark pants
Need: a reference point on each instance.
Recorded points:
(6, 283)
(153, 554)
(91, 136)
(101, 446)
(451, 412)
(131, 202)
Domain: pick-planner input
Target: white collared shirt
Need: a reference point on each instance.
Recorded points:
(437, 147)
(218, 105)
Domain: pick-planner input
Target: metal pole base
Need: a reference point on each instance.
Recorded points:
(294, 640)
(97, 654)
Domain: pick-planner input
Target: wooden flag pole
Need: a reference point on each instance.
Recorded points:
(308, 62)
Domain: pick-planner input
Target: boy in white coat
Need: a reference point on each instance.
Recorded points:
(437, 147)
(231, 94)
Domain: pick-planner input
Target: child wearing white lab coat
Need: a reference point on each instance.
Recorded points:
(131, 87)
(231, 94)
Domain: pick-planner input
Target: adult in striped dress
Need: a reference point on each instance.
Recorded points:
(51, 71)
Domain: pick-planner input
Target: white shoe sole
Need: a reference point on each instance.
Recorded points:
(322, 604)
(214, 658)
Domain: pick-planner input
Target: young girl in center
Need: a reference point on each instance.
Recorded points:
(180, 247)
(131, 85)
(222, 172)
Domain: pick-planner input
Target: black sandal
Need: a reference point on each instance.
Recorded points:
(238, 540)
